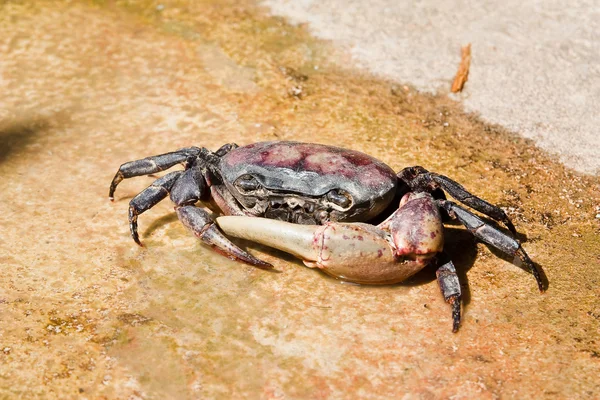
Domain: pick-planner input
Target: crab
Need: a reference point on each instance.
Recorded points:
(339, 210)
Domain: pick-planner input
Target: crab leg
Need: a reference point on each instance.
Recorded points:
(150, 165)
(148, 198)
(450, 287)
(419, 179)
(199, 222)
(493, 237)
(457, 191)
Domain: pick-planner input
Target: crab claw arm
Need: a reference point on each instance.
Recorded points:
(492, 236)
(199, 222)
(450, 287)
(354, 252)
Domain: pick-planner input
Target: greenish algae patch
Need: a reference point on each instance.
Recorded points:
(134, 78)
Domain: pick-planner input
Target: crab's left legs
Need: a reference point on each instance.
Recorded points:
(148, 198)
(492, 236)
(419, 179)
(185, 189)
(151, 165)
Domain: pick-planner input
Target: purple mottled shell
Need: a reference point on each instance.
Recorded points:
(312, 170)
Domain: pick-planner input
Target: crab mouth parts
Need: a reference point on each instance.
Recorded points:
(294, 210)
(291, 207)
(297, 209)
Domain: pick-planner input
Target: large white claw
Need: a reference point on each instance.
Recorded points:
(354, 252)
(291, 238)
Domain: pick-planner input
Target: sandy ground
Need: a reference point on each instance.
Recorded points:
(86, 313)
(535, 67)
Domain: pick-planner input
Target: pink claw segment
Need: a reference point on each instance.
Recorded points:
(416, 226)
(360, 253)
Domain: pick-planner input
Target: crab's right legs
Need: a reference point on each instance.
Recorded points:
(185, 189)
(492, 236)
(200, 223)
(450, 287)
(419, 179)
(151, 165)
(457, 191)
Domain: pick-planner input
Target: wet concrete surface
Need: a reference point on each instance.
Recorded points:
(85, 313)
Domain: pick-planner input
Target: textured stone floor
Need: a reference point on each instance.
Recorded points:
(85, 313)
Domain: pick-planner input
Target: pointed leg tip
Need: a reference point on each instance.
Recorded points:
(246, 258)
(213, 236)
(533, 268)
(538, 279)
(256, 262)
(137, 241)
(266, 267)
(542, 288)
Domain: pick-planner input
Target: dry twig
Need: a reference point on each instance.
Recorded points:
(463, 69)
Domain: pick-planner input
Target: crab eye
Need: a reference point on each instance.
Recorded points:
(247, 183)
(339, 198)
